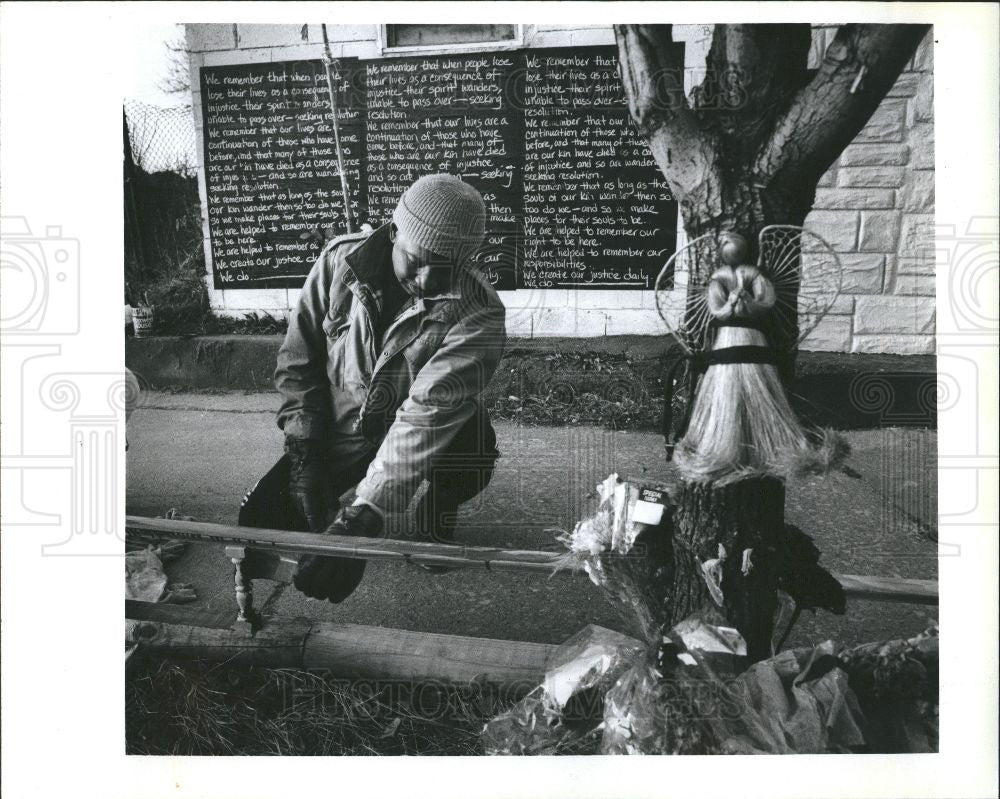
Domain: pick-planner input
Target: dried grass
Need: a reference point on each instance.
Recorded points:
(200, 708)
(826, 453)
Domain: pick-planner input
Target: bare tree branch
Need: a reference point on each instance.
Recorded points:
(858, 69)
(653, 78)
(752, 74)
(177, 79)
(758, 137)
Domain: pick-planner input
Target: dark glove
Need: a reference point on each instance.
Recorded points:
(324, 577)
(308, 483)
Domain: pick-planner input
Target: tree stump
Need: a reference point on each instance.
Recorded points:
(747, 518)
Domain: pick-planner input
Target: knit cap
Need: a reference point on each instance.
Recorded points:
(444, 214)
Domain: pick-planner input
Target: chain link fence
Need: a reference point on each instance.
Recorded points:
(164, 248)
(162, 139)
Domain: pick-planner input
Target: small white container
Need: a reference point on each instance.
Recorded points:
(142, 321)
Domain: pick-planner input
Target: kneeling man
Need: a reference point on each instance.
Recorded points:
(395, 336)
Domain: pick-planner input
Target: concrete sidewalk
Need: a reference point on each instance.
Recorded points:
(200, 453)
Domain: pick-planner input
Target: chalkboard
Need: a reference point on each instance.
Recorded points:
(448, 114)
(573, 195)
(597, 213)
(271, 167)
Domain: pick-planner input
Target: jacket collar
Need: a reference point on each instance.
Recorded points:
(371, 263)
(368, 258)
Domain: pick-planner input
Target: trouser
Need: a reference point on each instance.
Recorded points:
(457, 475)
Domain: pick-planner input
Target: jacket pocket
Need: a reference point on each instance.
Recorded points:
(351, 356)
(337, 328)
(420, 350)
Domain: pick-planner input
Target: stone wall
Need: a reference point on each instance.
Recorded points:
(875, 205)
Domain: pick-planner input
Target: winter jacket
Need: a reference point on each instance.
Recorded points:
(412, 391)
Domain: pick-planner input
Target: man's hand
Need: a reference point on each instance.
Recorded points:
(357, 520)
(308, 484)
(333, 578)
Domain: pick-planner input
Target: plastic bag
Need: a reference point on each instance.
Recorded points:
(146, 581)
(798, 701)
(648, 712)
(564, 711)
(672, 700)
(691, 701)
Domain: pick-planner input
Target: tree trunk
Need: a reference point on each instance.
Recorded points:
(745, 515)
(747, 150)
(664, 582)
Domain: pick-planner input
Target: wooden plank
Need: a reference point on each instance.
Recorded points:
(890, 589)
(180, 633)
(354, 650)
(349, 650)
(347, 546)
(274, 647)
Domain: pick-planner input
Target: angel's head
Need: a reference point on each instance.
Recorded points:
(733, 248)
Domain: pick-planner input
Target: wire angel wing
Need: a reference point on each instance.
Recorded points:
(681, 291)
(807, 277)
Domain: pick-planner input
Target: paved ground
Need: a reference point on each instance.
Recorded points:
(200, 452)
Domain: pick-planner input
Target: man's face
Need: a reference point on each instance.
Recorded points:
(420, 272)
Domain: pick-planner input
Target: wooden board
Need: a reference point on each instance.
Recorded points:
(891, 589)
(355, 650)
(346, 546)
(348, 650)
(188, 634)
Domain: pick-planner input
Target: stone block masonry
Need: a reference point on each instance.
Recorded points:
(875, 206)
